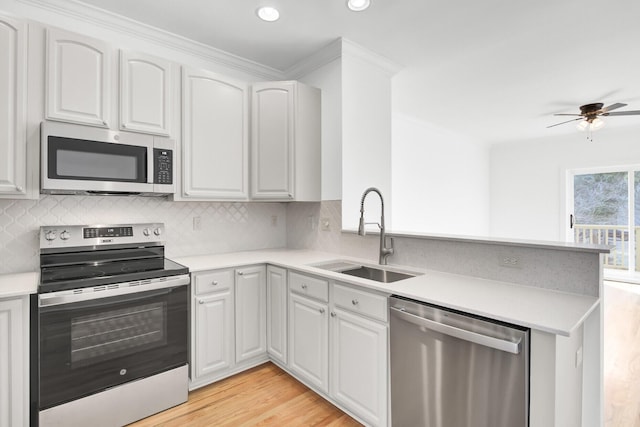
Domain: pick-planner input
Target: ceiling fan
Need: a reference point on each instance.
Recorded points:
(590, 115)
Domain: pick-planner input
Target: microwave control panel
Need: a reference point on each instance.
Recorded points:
(162, 166)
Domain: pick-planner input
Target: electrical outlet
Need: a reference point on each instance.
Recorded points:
(510, 261)
(197, 223)
(325, 223)
(274, 220)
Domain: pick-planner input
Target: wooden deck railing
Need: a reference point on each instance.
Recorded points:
(614, 235)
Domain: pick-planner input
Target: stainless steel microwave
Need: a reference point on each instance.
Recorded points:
(77, 159)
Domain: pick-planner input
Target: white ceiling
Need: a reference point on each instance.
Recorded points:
(495, 70)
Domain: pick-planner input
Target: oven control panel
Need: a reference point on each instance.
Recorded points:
(96, 235)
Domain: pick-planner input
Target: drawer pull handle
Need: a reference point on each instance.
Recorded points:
(354, 301)
(321, 311)
(214, 283)
(304, 286)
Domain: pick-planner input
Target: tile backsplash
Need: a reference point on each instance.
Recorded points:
(224, 227)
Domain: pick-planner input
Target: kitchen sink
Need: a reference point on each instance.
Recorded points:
(377, 274)
(364, 271)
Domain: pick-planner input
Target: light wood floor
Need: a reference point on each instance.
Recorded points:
(267, 396)
(621, 355)
(262, 396)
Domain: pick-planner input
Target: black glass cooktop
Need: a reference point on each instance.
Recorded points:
(63, 271)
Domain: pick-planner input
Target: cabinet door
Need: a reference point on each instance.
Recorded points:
(309, 340)
(359, 365)
(78, 79)
(272, 137)
(145, 93)
(251, 306)
(215, 136)
(13, 363)
(214, 333)
(13, 161)
(277, 313)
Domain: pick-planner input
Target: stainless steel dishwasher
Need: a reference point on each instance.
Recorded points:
(451, 369)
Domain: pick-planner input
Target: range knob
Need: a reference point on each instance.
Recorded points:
(157, 231)
(65, 235)
(50, 235)
(146, 232)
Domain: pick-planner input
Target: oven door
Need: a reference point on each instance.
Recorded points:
(91, 344)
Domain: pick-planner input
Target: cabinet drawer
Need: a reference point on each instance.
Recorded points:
(362, 302)
(309, 286)
(213, 281)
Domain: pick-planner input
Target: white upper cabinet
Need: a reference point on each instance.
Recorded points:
(215, 136)
(285, 141)
(78, 79)
(145, 93)
(12, 107)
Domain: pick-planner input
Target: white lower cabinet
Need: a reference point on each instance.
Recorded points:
(332, 336)
(277, 313)
(228, 322)
(359, 365)
(251, 313)
(345, 354)
(309, 341)
(212, 350)
(14, 358)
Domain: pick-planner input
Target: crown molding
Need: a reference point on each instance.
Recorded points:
(320, 58)
(121, 24)
(350, 48)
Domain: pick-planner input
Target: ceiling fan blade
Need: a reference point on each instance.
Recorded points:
(613, 107)
(561, 123)
(567, 114)
(624, 113)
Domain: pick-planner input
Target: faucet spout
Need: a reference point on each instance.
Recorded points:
(384, 251)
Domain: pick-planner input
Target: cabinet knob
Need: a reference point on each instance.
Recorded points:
(19, 188)
(354, 301)
(214, 283)
(333, 314)
(200, 301)
(304, 286)
(321, 311)
(240, 273)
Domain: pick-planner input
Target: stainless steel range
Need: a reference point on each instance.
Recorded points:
(110, 329)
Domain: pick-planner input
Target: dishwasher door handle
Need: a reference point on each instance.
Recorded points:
(487, 341)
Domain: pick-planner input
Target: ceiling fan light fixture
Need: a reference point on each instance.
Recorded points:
(582, 125)
(596, 124)
(358, 5)
(268, 13)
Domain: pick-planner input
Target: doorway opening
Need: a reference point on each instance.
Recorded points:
(604, 208)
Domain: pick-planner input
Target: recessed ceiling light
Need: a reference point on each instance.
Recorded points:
(358, 5)
(268, 13)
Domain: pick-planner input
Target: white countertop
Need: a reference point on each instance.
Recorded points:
(18, 284)
(545, 310)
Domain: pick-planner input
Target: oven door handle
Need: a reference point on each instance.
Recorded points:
(68, 297)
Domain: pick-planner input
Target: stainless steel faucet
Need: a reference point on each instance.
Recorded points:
(384, 251)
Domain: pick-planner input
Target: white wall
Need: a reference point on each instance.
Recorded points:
(440, 180)
(528, 178)
(327, 78)
(366, 136)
